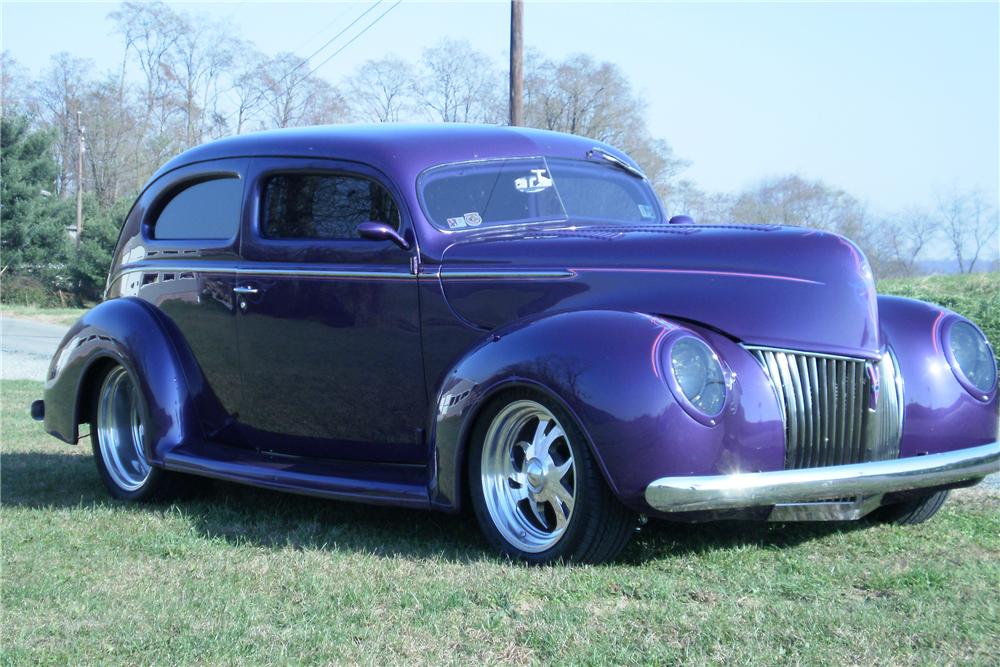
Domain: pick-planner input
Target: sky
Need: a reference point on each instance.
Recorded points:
(896, 103)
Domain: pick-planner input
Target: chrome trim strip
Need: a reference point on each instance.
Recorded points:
(402, 272)
(327, 273)
(760, 489)
(232, 269)
(500, 274)
(820, 355)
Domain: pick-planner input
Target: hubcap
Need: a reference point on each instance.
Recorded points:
(120, 431)
(528, 476)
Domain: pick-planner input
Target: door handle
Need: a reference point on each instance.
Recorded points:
(246, 289)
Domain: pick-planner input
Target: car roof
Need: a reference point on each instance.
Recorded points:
(402, 150)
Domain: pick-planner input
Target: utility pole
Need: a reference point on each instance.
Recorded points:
(79, 177)
(516, 62)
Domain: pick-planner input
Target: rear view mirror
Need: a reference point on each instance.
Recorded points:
(379, 231)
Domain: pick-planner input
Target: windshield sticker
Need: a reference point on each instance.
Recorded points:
(473, 219)
(537, 182)
(646, 211)
(456, 223)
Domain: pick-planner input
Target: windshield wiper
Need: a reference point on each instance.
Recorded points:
(617, 161)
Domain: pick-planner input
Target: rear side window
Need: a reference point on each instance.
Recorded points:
(323, 206)
(209, 210)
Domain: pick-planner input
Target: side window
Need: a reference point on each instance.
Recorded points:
(323, 206)
(207, 210)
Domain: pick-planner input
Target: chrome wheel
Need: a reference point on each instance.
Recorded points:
(528, 476)
(119, 431)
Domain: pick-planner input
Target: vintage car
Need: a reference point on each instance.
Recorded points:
(499, 318)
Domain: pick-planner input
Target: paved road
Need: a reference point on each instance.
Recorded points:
(26, 347)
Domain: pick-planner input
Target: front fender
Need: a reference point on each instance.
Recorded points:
(603, 367)
(939, 415)
(132, 333)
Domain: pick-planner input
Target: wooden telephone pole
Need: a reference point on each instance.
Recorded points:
(516, 62)
(79, 177)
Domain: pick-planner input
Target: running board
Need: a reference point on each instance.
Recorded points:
(401, 485)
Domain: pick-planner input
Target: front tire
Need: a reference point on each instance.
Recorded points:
(117, 436)
(912, 512)
(536, 489)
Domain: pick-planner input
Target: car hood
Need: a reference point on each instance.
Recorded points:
(763, 285)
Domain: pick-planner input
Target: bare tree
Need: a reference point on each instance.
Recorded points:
(14, 85)
(970, 225)
(59, 97)
(198, 57)
(150, 31)
(595, 99)
(247, 87)
(461, 85)
(907, 235)
(792, 200)
(290, 96)
(112, 124)
(381, 90)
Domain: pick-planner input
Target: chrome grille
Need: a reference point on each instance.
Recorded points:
(824, 404)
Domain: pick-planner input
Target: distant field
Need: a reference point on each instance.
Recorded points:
(242, 576)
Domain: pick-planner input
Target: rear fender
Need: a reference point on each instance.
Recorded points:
(129, 332)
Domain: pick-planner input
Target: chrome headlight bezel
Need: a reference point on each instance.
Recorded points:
(714, 366)
(961, 374)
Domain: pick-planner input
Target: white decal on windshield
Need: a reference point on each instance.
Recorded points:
(646, 211)
(537, 182)
(456, 223)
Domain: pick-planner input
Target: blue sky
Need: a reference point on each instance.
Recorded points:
(894, 102)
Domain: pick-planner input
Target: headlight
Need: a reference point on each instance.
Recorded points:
(698, 375)
(971, 357)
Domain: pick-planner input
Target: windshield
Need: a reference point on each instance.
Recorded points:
(523, 190)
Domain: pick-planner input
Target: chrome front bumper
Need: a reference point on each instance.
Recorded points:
(760, 489)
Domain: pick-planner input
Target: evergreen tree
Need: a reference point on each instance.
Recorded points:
(33, 237)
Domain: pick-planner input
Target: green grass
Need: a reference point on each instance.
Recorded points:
(975, 296)
(242, 576)
(66, 316)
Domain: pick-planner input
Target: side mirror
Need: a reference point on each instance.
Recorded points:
(379, 231)
(681, 220)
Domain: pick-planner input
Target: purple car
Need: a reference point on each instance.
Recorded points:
(504, 319)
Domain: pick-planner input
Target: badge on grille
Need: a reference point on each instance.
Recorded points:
(873, 385)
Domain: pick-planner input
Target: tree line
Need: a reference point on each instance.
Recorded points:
(184, 78)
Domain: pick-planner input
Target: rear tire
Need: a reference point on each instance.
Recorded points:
(911, 512)
(117, 436)
(536, 488)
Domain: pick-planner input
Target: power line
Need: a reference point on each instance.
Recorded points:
(352, 40)
(332, 39)
(253, 104)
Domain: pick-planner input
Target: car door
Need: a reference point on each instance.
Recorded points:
(328, 322)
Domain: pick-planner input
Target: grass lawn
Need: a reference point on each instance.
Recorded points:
(241, 576)
(65, 316)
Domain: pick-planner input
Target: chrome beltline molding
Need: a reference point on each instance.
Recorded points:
(402, 272)
(757, 489)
